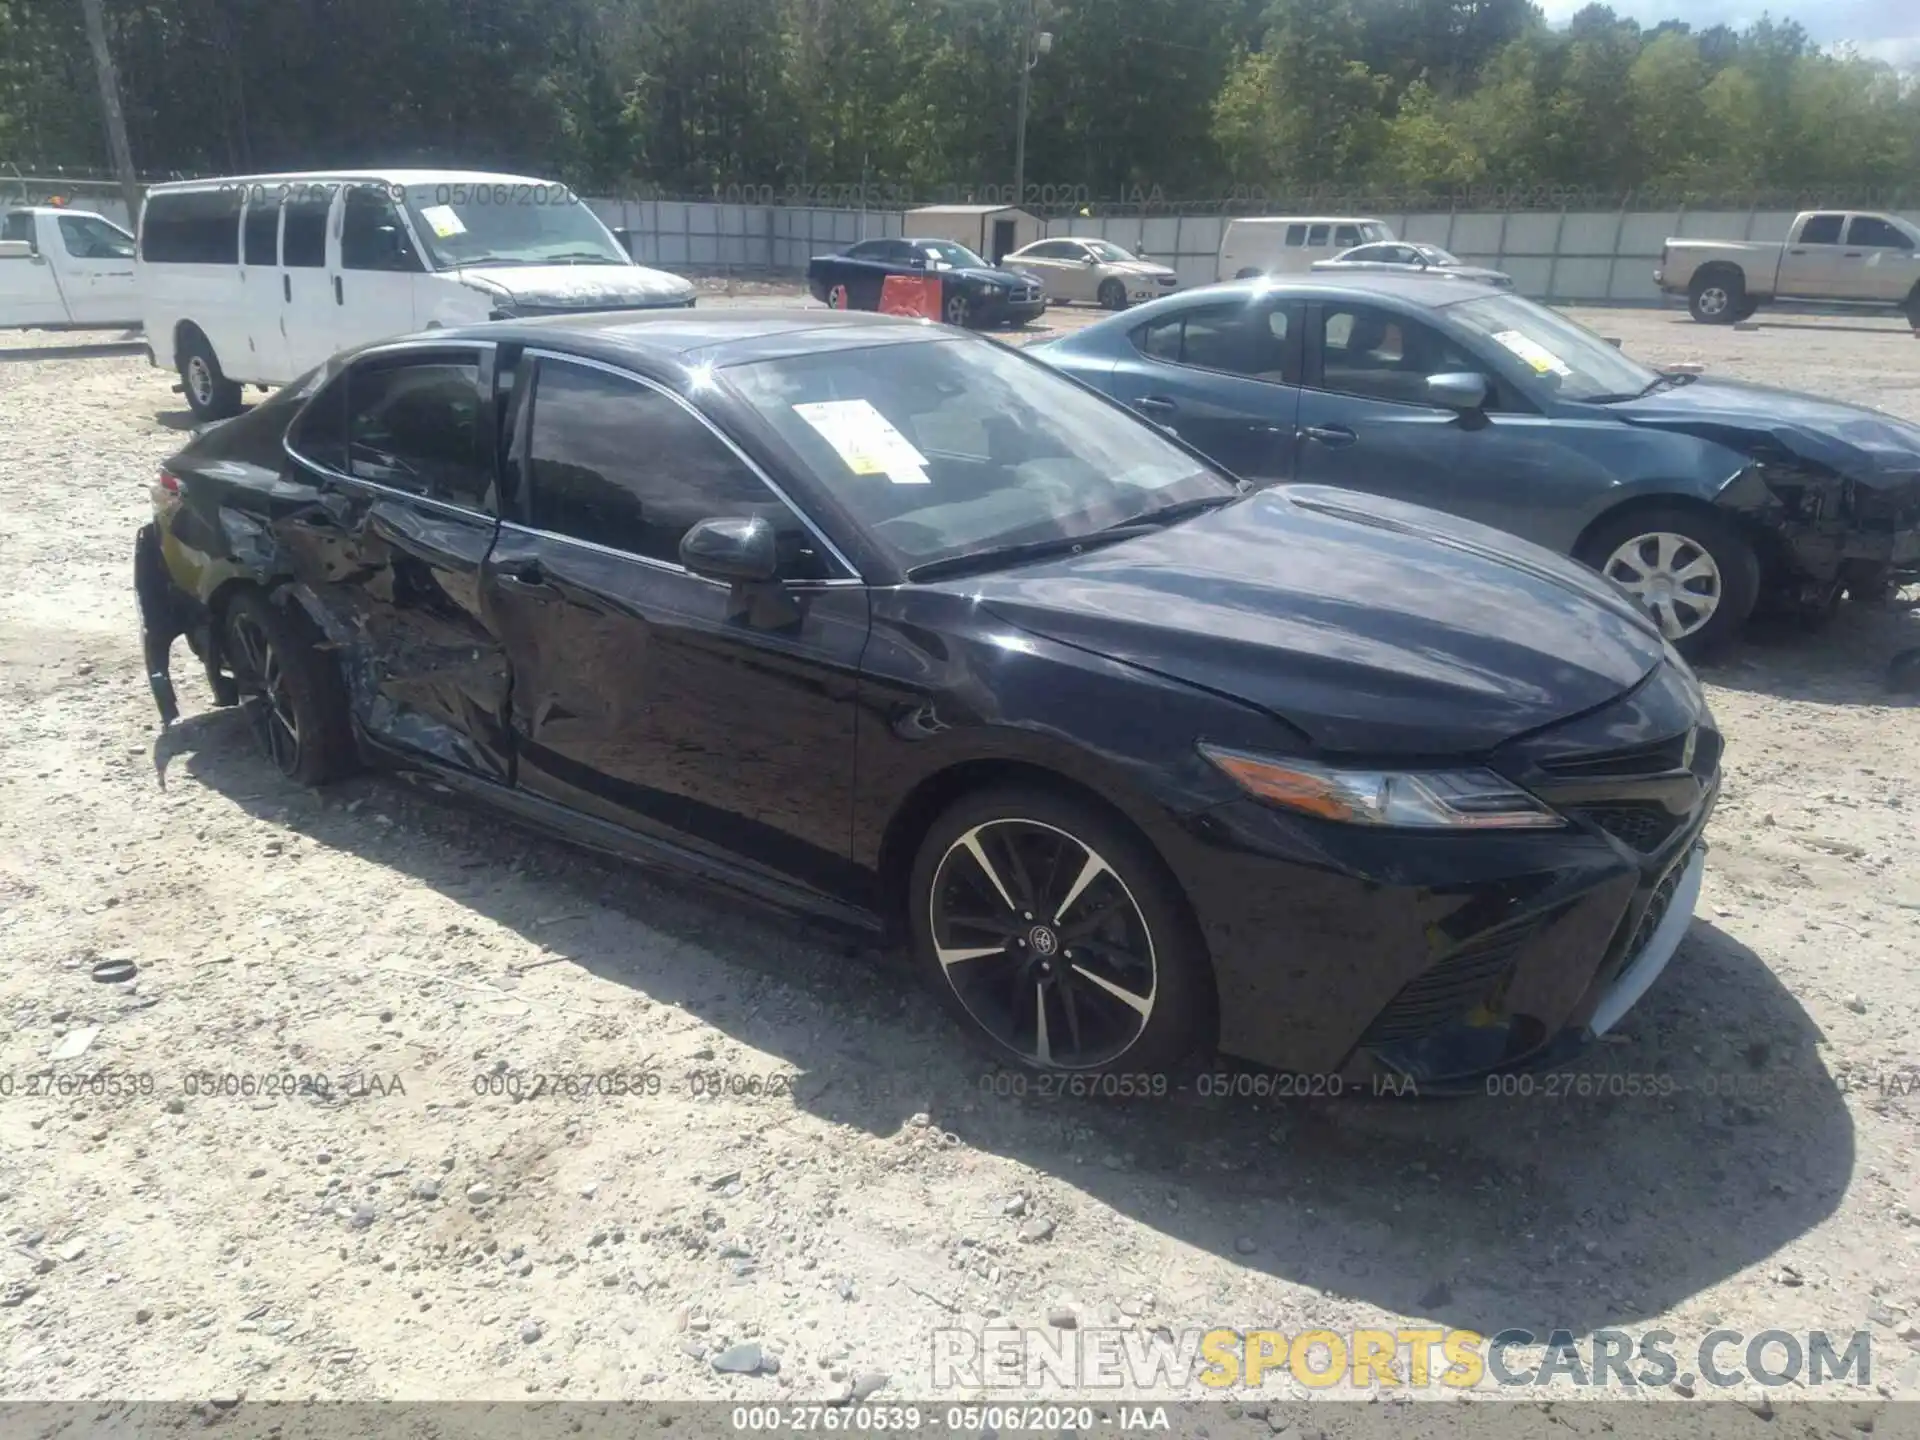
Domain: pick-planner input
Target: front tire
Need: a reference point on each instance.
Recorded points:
(1113, 295)
(290, 692)
(1691, 569)
(1717, 297)
(210, 395)
(1056, 936)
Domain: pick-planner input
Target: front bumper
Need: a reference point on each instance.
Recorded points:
(1441, 959)
(1001, 309)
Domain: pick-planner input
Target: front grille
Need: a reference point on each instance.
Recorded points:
(1644, 827)
(1448, 990)
(1026, 295)
(1659, 757)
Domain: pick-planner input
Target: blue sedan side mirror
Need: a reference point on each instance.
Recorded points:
(1463, 391)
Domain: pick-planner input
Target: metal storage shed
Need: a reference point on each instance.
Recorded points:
(987, 230)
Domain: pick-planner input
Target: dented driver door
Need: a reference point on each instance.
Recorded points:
(408, 513)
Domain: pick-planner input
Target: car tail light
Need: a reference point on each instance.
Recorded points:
(169, 481)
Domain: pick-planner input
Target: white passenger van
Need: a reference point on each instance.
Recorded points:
(257, 279)
(1289, 244)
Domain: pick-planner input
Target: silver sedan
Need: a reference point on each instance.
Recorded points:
(1403, 255)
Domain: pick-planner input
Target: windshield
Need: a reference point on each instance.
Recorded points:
(945, 255)
(1550, 354)
(1107, 250)
(509, 223)
(945, 447)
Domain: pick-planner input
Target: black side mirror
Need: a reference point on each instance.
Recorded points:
(1463, 391)
(738, 549)
(625, 238)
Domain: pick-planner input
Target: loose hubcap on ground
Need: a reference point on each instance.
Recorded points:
(1043, 944)
(1675, 579)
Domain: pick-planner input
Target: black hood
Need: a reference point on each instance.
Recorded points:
(1863, 445)
(1371, 625)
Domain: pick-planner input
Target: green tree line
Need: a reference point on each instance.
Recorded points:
(1192, 96)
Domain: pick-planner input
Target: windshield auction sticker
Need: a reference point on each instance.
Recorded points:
(866, 440)
(1534, 353)
(444, 222)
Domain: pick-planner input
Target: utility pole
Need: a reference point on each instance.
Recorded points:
(1033, 44)
(110, 107)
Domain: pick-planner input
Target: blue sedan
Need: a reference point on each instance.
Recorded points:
(1704, 498)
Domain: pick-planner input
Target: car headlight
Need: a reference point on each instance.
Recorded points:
(1468, 799)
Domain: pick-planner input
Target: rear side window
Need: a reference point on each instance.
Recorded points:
(1821, 230)
(1873, 231)
(18, 226)
(623, 465)
(192, 227)
(415, 425)
(1260, 342)
(260, 233)
(1316, 236)
(1296, 235)
(303, 241)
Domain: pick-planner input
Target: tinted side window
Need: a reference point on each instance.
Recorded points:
(18, 226)
(260, 233)
(320, 434)
(1385, 355)
(1258, 342)
(415, 426)
(1821, 230)
(623, 465)
(372, 236)
(303, 241)
(1346, 236)
(1296, 235)
(868, 250)
(1316, 235)
(192, 227)
(1872, 230)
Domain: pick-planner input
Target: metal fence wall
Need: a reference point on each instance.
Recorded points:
(1573, 255)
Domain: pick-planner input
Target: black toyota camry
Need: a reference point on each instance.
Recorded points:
(891, 624)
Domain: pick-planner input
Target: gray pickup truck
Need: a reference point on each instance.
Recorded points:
(1832, 256)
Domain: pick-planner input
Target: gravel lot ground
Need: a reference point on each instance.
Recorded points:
(857, 1182)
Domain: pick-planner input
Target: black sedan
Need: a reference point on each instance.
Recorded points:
(969, 291)
(899, 627)
(1707, 498)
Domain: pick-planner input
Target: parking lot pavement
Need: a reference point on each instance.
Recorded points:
(405, 1102)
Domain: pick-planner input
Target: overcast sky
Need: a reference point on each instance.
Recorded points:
(1882, 29)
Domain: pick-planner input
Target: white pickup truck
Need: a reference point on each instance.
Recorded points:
(65, 270)
(1832, 256)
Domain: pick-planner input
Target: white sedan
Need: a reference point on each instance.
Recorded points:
(1093, 271)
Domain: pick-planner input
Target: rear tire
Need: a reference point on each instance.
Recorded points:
(289, 690)
(210, 395)
(1692, 570)
(1056, 936)
(1113, 295)
(1716, 296)
(957, 311)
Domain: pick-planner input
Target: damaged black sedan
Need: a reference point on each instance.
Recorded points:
(890, 624)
